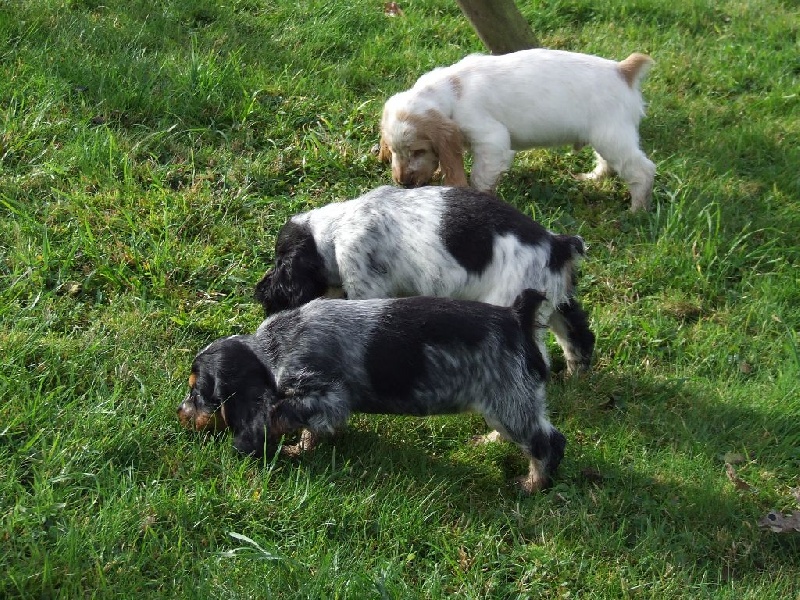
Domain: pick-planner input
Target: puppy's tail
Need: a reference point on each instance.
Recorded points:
(384, 152)
(566, 249)
(635, 68)
(526, 307)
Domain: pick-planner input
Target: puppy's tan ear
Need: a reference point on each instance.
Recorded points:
(448, 142)
(384, 153)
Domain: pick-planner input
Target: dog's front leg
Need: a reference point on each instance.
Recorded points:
(313, 412)
(490, 159)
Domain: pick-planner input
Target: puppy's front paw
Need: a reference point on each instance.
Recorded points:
(293, 451)
(486, 438)
(578, 367)
(531, 485)
(307, 442)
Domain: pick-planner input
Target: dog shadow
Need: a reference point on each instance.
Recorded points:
(373, 449)
(668, 435)
(544, 183)
(658, 427)
(654, 417)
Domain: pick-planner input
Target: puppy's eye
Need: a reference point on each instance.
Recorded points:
(419, 153)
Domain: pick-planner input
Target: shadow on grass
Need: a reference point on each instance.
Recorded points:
(643, 475)
(748, 171)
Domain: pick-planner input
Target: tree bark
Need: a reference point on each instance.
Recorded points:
(499, 24)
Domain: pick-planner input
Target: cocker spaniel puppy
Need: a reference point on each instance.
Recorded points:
(431, 241)
(311, 367)
(496, 105)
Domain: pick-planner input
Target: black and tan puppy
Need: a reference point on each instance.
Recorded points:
(309, 368)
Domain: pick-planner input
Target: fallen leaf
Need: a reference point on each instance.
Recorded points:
(392, 9)
(778, 523)
(592, 475)
(464, 560)
(734, 458)
(745, 367)
(148, 521)
(69, 288)
(737, 481)
(610, 404)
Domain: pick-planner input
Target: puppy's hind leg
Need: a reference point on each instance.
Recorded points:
(532, 432)
(624, 156)
(546, 451)
(639, 174)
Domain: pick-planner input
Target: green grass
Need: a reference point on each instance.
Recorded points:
(149, 152)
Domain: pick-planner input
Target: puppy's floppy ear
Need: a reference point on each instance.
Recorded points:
(250, 436)
(299, 273)
(384, 152)
(262, 293)
(246, 388)
(448, 143)
(526, 307)
(293, 282)
(575, 245)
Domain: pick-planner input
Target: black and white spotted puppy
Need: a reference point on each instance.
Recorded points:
(431, 241)
(309, 368)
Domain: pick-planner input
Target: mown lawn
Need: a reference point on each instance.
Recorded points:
(149, 152)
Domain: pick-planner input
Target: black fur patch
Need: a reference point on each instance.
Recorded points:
(299, 273)
(565, 248)
(580, 336)
(549, 449)
(473, 219)
(394, 357)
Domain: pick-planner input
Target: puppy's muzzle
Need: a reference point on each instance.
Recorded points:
(407, 178)
(191, 417)
(415, 183)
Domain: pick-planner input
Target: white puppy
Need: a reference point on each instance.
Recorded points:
(496, 105)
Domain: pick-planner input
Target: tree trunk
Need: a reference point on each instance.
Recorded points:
(499, 24)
